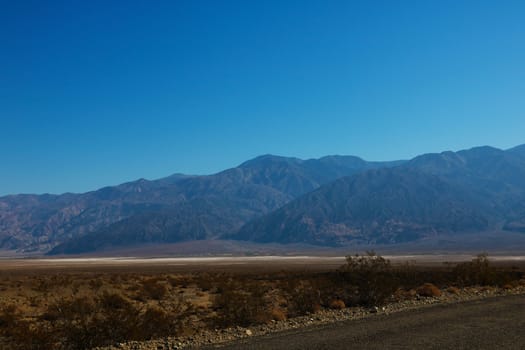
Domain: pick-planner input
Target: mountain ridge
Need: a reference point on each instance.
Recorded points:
(332, 200)
(485, 188)
(41, 222)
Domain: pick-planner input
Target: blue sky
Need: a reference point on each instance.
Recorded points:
(95, 93)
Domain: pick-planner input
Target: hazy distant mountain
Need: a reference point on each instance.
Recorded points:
(39, 222)
(518, 150)
(377, 206)
(475, 190)
(333, 200)
(215, 204)
(220, 204)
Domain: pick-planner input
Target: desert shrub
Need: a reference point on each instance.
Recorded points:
(171, 319)
(477, 271)
(453, 290)
(153, 289)
(428, 290)
(156, 322)
(16, 330)
(480, 272)
(28, 335)
(96, 283)
(24, 334)
(205, 281)
(8, 318)
(65, 310)
(302, 298)
(61, 280)
(370, 277)
(278, 314)
(99, 318)
(241, 304)
(337, 304)
(113, 301)
(82, 324)
(42, 285)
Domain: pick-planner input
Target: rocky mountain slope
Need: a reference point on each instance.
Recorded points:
(481, 189)
(331, 201)
(175, 208)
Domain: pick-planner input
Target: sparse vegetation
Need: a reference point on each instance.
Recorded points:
(81, 310)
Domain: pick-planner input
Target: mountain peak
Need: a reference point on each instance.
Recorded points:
(481, 151)
(266, 159)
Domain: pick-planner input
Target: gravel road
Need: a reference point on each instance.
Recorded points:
(494, 323)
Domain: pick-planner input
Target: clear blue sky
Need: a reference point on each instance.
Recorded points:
(94, 93)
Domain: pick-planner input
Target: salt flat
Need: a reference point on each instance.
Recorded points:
(244, 262)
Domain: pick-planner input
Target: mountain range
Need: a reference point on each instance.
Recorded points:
(172, 209)
(478, 190)
(330, 201)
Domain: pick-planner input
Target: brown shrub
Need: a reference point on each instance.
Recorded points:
(68, 309)
(428, 290)
(96, 284)
(477, 272)
(411, 293)
(453, 290)
(10, 321)
(278, 314)
(241, 304)
(156, 322)
(336, 304)
(113, 301)
(302, 299)
(507, 286)
(402, 294)
(373, 277)
(153, 289)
